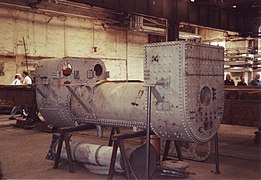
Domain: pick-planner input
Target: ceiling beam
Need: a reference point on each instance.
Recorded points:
(175, 11)
(202, 14)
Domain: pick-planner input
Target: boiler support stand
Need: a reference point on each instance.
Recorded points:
(64, 136)
(118, 142)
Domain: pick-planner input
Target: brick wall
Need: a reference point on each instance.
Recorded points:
(60, 36)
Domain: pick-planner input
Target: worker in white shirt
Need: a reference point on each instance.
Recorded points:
(27, 79)
(15, 109)
(17, 80)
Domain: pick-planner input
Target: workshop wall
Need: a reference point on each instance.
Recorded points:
(45, 36)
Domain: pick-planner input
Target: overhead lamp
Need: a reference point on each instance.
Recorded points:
(234, 6)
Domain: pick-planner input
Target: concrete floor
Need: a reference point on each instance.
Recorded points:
(22, 154)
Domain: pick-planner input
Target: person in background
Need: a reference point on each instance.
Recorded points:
(27, 79)
(241, 82)
(229, 81)
(15, 109)
(17, 80)
(255, 81)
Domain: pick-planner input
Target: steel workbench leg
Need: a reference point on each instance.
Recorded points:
(58, 153)
(216, 154)
(113, 159)
(177, 145)
(124, 160)
(68, 151)
(166, 150)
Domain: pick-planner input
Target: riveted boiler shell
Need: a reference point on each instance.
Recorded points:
(187, 94)
(59, 81)
(189, 78)
(121, 104)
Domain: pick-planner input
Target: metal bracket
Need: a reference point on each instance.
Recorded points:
(40, 92)
(163, 81)
(87, 107)
(156, 94)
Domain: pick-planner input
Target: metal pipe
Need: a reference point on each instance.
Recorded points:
(148, 132)
(85, 7)
(25, 54)
(98, 155)
(44, 11)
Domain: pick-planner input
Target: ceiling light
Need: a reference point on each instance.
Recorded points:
(234, 6)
